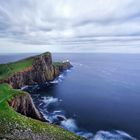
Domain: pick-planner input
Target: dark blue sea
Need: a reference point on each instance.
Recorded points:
(99, 98)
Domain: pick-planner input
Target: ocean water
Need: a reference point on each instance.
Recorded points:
(99, 98)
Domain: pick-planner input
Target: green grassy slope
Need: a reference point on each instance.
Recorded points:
(9, 69)
(11, 120)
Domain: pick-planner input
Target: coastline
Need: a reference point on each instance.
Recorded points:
(22, 102)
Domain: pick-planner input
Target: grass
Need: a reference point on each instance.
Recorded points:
(11, 120)
(57, 64)
(9, 69)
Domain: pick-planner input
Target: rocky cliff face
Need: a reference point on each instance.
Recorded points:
(24, 104)
(42, 70)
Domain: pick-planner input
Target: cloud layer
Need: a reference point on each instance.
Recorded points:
(77, 25)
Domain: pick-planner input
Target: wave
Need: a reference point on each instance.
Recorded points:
(112, 135)
(54, 81)
(58, 117)
(60, 78)
(70, 125)
(49, 100)
(87, 135)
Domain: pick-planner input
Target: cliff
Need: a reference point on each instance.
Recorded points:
(24, 104)
(39, 69)
(34, 70)
(14, 126)
(19, 118)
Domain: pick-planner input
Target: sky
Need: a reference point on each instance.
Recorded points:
(70, 26)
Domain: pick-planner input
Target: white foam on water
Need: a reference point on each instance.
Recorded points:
(125, 134)
(61, 76)
(86, 135)
(24, 87)
(70, 125)
(54, 81)
(115, 135)
(58, 79)
(57, 111)
(47, 118)
(49, 100)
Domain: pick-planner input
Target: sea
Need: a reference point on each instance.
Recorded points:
(98, 98)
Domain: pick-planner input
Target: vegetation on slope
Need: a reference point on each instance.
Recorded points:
(13, 124)
(57, 64)
(7, 70)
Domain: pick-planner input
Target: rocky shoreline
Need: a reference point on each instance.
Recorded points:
(41, 71)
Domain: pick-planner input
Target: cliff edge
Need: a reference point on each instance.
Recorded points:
(34, 70)
(19, 118)
(15, 126)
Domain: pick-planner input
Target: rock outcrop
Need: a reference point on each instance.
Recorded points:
(42, 70)
(24, 105)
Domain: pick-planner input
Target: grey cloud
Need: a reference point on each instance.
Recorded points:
(52, 22)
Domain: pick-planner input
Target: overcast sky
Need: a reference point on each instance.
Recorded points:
(70, 26)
